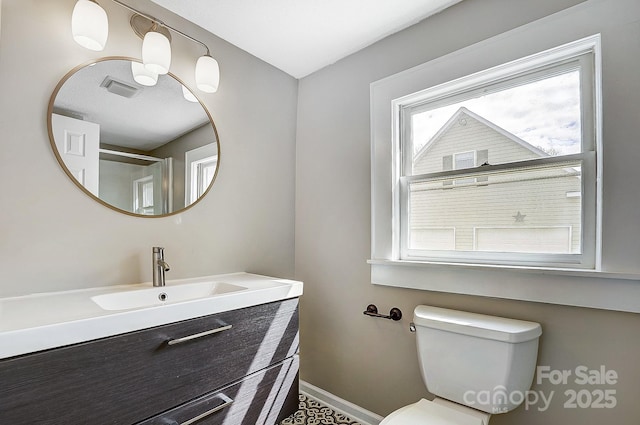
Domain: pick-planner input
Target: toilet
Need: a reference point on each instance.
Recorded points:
(476, 365)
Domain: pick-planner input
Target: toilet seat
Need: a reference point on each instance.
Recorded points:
(437, 412)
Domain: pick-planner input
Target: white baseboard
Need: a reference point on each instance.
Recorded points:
(340, 405)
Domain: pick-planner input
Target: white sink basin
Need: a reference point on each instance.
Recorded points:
(156, 296)
(37, 322)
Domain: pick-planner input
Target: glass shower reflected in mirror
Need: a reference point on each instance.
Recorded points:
(138, 183)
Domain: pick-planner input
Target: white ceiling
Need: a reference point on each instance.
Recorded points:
(150, 118)
(302, 36)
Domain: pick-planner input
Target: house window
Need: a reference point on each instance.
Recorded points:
(464, 160)
(459, 161)
(494, 156)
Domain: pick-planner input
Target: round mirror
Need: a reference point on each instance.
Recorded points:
(141, 144)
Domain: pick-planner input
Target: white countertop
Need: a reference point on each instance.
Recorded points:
(47, 320)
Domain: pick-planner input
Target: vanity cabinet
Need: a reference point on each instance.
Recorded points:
(236, 367)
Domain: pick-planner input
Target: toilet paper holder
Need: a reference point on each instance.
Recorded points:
(394, 314)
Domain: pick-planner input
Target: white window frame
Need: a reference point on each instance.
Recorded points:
(586, 53)
(206, 153)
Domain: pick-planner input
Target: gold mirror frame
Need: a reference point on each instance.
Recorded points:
(50, 111)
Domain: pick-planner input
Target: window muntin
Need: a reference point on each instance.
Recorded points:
(533, 118)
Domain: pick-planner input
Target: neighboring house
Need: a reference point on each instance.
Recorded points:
(526, 211)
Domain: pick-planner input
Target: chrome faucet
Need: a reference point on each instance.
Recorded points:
(159, 266)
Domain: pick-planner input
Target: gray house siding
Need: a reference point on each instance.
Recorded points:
(532, 211)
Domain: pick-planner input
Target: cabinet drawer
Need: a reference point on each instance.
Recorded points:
(127, 378)
(263, 398)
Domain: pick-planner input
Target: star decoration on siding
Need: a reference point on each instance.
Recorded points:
(519, 217)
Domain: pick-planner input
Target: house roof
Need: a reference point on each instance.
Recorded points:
(464, 111)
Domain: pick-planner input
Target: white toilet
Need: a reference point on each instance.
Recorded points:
(476, 365)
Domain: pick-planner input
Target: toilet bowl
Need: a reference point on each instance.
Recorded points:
(464, 355)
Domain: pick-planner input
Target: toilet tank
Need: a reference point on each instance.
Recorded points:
(480, 361)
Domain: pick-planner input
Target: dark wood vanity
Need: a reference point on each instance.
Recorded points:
(236, 367)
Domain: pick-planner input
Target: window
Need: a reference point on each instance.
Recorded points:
(459, 161)
(143, 196)
(464, 160)
(201, 165)
(202, 173)
(483, 166)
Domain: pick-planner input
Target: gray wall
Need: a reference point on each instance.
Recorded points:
(373, 362)
(53, 236)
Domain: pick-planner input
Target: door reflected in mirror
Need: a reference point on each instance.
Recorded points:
(142, 150)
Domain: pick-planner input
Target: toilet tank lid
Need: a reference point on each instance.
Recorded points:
(478, 325)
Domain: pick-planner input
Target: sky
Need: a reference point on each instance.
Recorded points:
(545, 114)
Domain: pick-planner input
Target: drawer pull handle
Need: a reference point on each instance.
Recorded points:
(198, 335)
(227, 402)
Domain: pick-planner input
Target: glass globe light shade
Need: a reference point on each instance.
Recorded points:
(89, 25)
(156, 52)
(207, 74)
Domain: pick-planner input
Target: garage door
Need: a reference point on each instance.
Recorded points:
(524, 239)
(440, 238)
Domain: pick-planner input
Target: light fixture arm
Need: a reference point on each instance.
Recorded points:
(162, 24)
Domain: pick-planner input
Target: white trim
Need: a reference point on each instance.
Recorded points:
(598, 137)
(363, 416)
(579, 288)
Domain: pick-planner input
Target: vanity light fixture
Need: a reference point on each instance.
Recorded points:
(90, 29)
(142, 75)
(89, 25)
(156, 51)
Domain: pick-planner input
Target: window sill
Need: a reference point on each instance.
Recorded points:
(580, 288)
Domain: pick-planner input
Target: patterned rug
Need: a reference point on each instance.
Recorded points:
(313, 413)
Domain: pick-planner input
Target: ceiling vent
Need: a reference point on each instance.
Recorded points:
(118, 87)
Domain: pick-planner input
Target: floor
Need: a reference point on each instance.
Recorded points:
(314, 413)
